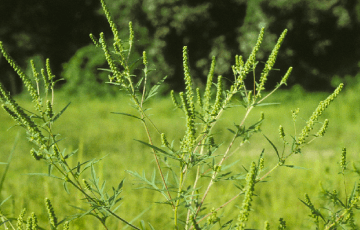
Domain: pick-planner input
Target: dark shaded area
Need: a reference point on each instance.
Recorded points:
(322, 42)
(54, 29)
(322, 48)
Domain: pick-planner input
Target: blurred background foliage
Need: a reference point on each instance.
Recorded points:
(323, 42)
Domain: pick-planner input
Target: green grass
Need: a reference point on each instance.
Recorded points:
(89, 126)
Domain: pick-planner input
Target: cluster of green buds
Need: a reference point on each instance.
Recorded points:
(343, 159)
(213, 218)
(317, 113)
(249, 192)
(270, 63)
(188, 106)
(32, 222)
(282, 133)
(51, 213)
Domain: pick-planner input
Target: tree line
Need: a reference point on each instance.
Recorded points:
(322, 41)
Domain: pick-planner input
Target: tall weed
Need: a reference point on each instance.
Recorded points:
(188, 168)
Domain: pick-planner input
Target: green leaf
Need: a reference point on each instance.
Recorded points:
(353, 192)
(134, 63)
(69, 155)
(231, 131)
(154, 89)
(159, 150)
(8, 161)
(296, 167)
(61, 112)
(138, 216)
(151, 227)
(265, 104)
(107, 70)
(66, 188)
(2, 202)
(277, 153)
(129, 115)
(139, 83)
(44, 174)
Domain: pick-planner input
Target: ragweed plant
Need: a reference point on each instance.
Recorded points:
(196, 162)
(31, 223)
(197, 155)
(39, 129)
(340, 211)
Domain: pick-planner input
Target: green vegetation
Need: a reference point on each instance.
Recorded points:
(204, 163)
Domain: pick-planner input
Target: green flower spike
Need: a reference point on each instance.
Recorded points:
(36, 155)
(49, 109)
(199, 100)
(48, 70)
(294, 114)
(111, 23)
(317, 113)
(323, 128)
(207, 94)
(343, 159)
(45, 79)
(270, 63)
(95, 40)
(252, 58)
(218, 99)
(188, 82)
(284, 79)
(189, 138)
(145, 61)
(25, 79)
(176, 103)
(20, 219)
(29, 224)
(282, 133)
(35, 75)
(66, 225)
(116, 73)
(164, 141)
(249, 192)
(34, 221)
(267, 225)
(282, 224)
(51, 213)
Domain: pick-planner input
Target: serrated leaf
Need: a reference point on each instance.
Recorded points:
(69, 155)
(139, 83)
(153, 90)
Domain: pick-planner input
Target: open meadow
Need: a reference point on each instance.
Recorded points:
(89, 126)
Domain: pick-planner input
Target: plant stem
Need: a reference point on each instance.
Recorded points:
(221, 162)
(178, 198)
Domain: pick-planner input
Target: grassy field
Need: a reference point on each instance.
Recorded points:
(89, 126)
